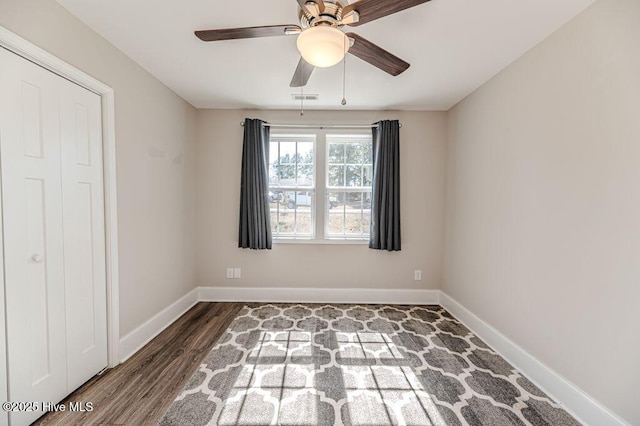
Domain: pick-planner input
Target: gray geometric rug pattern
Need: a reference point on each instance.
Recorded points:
(329, 364)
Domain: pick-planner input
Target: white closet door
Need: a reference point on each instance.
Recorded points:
(84, 239)
(33, 233)
(54, 241)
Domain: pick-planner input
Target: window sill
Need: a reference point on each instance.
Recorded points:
(320, 242)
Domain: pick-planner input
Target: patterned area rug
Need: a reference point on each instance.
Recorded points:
(283, 364)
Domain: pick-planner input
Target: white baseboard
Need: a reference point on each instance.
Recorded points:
(134, 341)
(319, 295)
(583, 407)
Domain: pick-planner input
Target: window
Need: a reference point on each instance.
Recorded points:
(349, 175)
(292, 186)
(320, 186)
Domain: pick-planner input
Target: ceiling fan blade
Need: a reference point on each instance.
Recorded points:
(370, 10)
(302, 74)
(247, 32)
(376, 56)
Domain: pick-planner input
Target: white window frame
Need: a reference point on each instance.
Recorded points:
(299, 137)
(344, 189)
(319, 212)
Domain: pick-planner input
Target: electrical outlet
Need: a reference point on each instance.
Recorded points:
(237, 273)
(229, 272)
(417, 275)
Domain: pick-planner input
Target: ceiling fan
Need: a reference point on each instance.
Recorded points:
(321, 41)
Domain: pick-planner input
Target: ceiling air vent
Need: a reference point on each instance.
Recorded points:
(305, 97)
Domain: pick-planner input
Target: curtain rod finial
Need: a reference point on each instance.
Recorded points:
(242, 123)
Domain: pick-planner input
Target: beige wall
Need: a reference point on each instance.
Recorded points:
(155, 159)
(543, 203)
(422, 143)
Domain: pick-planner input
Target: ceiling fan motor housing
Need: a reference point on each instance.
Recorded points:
(332, 15)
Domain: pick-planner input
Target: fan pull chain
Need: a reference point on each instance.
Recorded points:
(344, 75)
(301, 100)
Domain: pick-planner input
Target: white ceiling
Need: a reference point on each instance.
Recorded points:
(454, 46)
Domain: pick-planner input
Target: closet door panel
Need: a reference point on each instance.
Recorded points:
(33, 233)
(84, 239)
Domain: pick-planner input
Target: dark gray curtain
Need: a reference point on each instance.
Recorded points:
(385, 202)
(255, 224)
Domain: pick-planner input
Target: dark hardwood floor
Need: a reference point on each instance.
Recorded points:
(138, 391)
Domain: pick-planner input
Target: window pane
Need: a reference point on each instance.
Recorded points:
(288, 200)
(287, 175)
(368, 152)
(305, 152)
(274, 198)
(273, 175)
(354, 176)
(336, 153)
(304, 222)
(287, 152)
(336, 175)
(353, 201)
(336, 223)
(355, 154)
(305, 175)
(335, 200)
(353, 223)
(304, 200)
(286, 222)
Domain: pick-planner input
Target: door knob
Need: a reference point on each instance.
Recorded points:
(37, 258)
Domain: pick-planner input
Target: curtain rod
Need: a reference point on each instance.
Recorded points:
(320, 126)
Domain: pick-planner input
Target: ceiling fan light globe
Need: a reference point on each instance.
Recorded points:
(323, 46)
